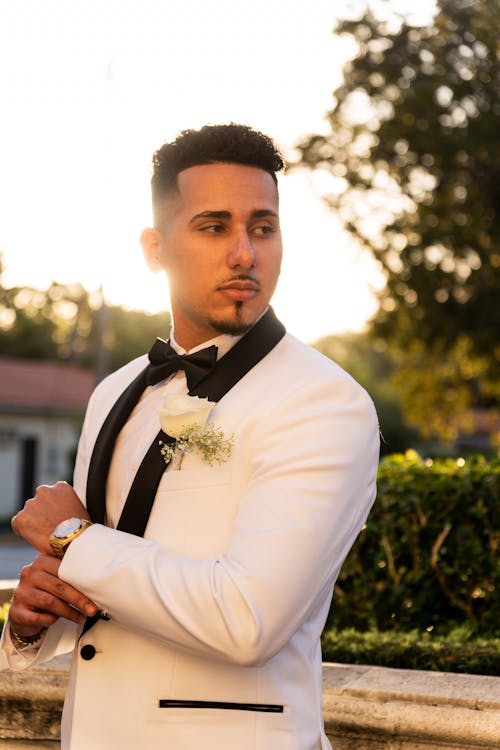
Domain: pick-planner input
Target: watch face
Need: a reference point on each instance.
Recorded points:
(69, 526)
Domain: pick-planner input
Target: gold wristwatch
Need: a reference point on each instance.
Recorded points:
(65, 532)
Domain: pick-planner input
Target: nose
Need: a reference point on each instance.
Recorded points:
(242, 252)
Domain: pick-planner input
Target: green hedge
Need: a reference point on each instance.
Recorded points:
(428, 556)
(458, 651)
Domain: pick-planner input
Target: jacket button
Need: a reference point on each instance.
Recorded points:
(87, 652)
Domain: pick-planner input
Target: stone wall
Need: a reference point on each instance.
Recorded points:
(374, 708)
(365, 708)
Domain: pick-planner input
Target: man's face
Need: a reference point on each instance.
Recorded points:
(220, 242)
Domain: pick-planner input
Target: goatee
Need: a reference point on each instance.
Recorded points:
(234, 327)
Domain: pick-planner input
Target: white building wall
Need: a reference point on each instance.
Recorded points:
(56, 439)
(10, 469)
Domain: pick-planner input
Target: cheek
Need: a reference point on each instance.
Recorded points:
(182, 269)
(196, 280)
(272, 266)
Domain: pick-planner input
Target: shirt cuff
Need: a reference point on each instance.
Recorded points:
(18, 658)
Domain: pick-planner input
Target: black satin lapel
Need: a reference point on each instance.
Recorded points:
(136, 511)
(229, 370)
(104, 446)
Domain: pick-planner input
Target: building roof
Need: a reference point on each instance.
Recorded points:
(43, 386)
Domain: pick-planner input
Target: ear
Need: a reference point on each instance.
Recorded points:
(150, 243)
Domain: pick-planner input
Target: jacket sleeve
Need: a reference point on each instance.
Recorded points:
(312, 483)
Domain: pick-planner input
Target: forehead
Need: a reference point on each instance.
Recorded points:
(223, 186)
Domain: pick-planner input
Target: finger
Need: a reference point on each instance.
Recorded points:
(24, 617)
(25, 621)
(33, 608)
(42, 563)
(67, 593)
(52, 589)
(14, 524)
(42, 608)
(41, 575)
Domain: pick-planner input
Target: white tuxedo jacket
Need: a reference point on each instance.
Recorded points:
(216, 615)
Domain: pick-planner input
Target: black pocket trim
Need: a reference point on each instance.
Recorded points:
(265, 707)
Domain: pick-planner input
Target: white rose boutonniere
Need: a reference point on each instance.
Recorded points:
(184, 418)
(177, 412)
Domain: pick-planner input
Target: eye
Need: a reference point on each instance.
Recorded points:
(263, 229)
(214, 228)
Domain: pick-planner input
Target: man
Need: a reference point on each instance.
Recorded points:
(208, 586)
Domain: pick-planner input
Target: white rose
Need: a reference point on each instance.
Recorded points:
(179, 411)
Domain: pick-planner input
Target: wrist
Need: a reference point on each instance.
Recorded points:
(23, 641)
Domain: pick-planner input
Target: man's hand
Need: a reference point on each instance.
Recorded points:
(41, 514)
(41, 598)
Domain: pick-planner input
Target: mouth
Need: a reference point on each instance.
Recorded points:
(240, 290)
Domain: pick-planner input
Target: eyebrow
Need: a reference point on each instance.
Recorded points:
(259, 213)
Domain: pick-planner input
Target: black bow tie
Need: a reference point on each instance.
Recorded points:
(165, 361)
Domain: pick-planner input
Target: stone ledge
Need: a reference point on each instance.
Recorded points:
(365, 708)
(30, 745)
(400, 708)
(31, 704)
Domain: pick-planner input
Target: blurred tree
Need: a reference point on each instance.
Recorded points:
(66, 322)
(132, 332)
(412, 159)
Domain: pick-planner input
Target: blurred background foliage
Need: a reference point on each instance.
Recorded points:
(373, 367)
(410, 161)
(68, 323)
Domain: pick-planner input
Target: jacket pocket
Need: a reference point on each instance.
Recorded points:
(273, 708)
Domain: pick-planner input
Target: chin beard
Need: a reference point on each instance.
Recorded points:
(234, 327)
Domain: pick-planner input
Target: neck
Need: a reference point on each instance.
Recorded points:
(190, 342)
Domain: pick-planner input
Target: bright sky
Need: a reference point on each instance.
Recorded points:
(90, 88)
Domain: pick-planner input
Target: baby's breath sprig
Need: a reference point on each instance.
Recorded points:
(209, 442)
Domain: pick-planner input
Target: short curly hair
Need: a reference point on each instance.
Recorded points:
(231, 143)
